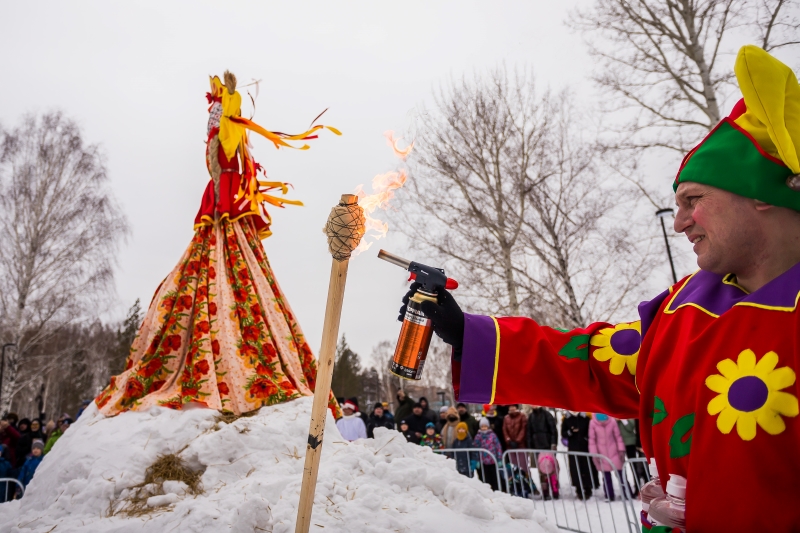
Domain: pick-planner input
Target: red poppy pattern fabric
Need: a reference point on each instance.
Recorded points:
(219, 333)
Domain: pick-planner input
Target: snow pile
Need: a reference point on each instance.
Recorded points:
(251, 471)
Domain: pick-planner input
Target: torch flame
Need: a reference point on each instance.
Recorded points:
(392, 142)
(383, 187)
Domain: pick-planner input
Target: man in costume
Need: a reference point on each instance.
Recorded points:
(219, 332)
(709, 367)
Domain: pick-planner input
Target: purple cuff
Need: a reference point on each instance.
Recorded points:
(477, 359)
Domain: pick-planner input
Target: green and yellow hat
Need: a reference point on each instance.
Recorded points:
(753, 152)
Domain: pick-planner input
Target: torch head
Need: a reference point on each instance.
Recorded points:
(345, 227)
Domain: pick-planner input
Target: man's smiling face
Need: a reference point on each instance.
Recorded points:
(724, 228)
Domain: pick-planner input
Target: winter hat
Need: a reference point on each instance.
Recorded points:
(460, 426)
(377, 404)
(403, 422)
(349, 405)
(461, 404)
(417, 405)
(37, 443)
(430, 425)
(484, 422)
(443, 409)
(754, 152)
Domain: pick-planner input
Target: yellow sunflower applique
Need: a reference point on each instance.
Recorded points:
(749, 393)
(619, 344)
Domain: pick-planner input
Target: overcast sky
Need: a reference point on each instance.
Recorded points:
(134, 75)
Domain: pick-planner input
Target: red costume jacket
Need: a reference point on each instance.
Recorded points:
(709, 370)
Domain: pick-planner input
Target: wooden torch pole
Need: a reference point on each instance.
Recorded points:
(330, 334)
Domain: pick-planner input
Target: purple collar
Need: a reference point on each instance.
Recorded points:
(716, 294)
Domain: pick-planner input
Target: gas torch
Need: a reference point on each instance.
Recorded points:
(417, 330)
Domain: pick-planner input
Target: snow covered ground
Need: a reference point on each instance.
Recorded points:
(251, 480)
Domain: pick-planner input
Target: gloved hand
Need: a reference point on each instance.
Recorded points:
(447, 317)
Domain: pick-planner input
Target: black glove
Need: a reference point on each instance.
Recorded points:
(446, 315)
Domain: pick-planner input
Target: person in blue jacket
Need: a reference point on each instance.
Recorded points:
(31, 463)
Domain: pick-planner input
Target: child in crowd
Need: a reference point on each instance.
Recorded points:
(31, 463)
(487, 439)
(407, 433)
(465, 461)
(431, 438)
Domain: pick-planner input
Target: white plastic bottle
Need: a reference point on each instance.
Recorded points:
(649, 492)
(670, 510)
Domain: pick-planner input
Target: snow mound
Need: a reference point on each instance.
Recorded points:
(251, 477)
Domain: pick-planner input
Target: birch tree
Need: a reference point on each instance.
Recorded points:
(60, 228)
(510, 192)
(669, 62)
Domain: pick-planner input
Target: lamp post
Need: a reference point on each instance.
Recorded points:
(662, 214)
(3, 365)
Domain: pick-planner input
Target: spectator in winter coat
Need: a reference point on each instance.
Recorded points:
(431, 439)
(350, 425)
(514, 430)
(24, 442)
(465, 461)
(387, 412)
(9, 437)
(403, 428)
(427, 412)
(363, 416)
(49, 428)
(467, 418)
(575, 429)
(56, 434)
(442, 420)
(7, 470)
(378, 419)
(541, 434)
(31, 463)
(487, 439)
(416, 423)
(404, 406)
(627, 429)
(448, 431)
(605, 439)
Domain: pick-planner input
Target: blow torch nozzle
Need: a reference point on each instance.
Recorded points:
(432, 279)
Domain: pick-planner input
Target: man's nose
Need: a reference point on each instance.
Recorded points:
(683, 220)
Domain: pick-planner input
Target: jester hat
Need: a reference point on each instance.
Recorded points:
(753, 152)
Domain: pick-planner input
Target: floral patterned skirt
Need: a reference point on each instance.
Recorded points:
(218, 333)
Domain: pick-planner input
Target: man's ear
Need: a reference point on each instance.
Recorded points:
(762, 206)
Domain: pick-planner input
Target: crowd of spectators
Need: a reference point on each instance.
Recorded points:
(23, 444)
(500, 428)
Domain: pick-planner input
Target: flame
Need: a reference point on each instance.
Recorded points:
(383, 188)
(392, 142)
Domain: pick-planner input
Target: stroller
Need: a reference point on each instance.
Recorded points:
(517, 482)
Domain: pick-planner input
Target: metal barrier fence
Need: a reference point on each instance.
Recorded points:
(568, 480)
(7, 491)
(487, 469)
(565, 486)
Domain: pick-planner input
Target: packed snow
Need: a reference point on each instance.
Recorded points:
(251, 473)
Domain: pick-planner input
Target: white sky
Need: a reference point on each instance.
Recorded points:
(134, 75)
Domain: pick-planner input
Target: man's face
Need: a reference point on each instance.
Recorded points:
(35, 425)
(512, 409)
(424, 403)
(462, 409)
(723, 227)
(378, 412)
(418, 410)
